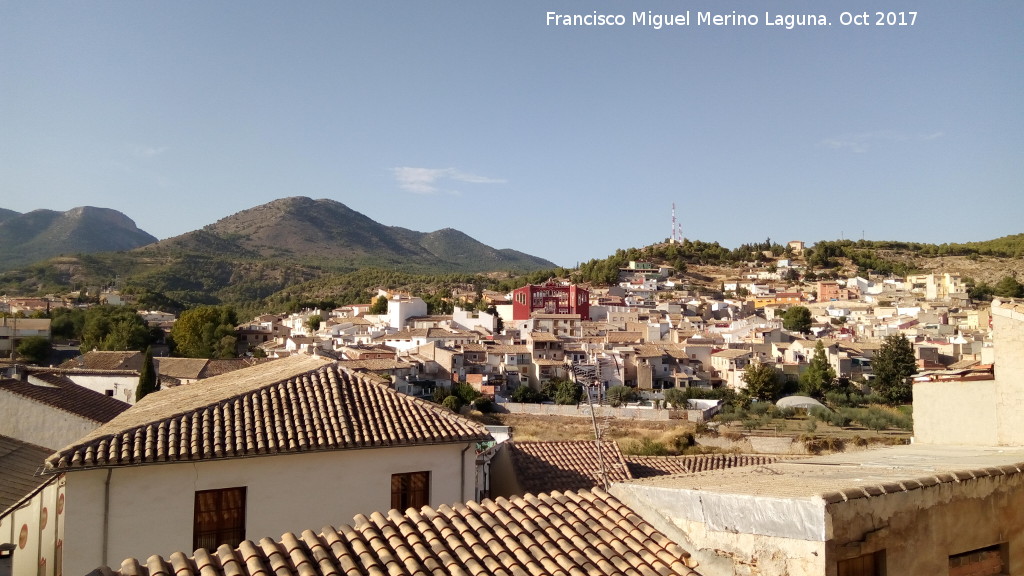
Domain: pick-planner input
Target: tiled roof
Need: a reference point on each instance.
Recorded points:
(508, 349)
(650, 466)
(219, 366)
(63, 394)
(731, 353)
(181, 368)
(373, 364)
(568, 465)
(623, 337)
(585, 533)
(104, 360)
(296, 404)
(19, 462)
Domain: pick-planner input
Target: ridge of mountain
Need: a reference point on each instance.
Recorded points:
(333, 234)
(41, 234)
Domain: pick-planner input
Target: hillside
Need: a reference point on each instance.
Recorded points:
(335, 236)
(266, 249)
(41, 234)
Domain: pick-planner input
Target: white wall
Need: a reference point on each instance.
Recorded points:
(123, 386)
(39, 424)
(41, 518)
(151, 507)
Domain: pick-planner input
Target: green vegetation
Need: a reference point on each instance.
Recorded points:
(111, 328)
(797, 319)
(893, 365)
(458, 395)
(820, 377)
(205, 332)
(33, 349)
(763, 382)
(147, 377)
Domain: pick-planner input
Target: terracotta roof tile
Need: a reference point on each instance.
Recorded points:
(296, 404)
(61, 393)
(105, 360)
(19, 464)
(571, 533)
(568, 465)
(650, 466)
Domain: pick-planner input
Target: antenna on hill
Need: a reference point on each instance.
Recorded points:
(673, 239)
(588, 374)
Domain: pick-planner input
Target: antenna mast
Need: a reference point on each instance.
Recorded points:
(674, 238)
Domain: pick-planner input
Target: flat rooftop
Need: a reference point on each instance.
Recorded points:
(850, 475)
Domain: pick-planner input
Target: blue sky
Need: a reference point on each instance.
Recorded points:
(562, 142)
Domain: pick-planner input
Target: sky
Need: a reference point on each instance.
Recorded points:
(564, 142)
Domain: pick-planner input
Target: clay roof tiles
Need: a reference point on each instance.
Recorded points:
(650, 466)
(567, 465)
(106, 360)
(61, 393)
(19, 464)
(571, 533)
(296, 404)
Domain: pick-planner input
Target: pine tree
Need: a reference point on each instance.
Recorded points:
(893, 366)
(820, 376)
(147, 377)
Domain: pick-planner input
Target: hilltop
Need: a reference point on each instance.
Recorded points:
(41, 234)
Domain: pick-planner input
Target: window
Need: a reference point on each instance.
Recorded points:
(410, 490)
(982, 562)
(867, 565)
(219, 518)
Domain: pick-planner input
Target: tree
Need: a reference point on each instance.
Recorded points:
(205, 332)
(619, 395)
(33, 349)
(313, 322)
(763, 382)
(797, 319)
(677, 398)
(568, 392)
(820, 376)
(113, 328)
(147, 377)
(379, 306)
(893, 366)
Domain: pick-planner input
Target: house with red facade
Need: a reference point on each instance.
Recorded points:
(550, 298)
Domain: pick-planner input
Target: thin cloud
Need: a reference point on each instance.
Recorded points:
(432, 180)
(861, 143)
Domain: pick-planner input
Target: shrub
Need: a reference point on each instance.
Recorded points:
(483, 405)
(452, 403)
(527, 394)
(646, 447)
(619, 395)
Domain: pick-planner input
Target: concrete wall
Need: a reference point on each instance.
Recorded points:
(36, 528)
(736, 535)
(583, 410)
(920, 529)
(981, 413)
(956, 413)
(123, 386)
(40, 424)
(151, 507)
(748, 535)
(1008, 344)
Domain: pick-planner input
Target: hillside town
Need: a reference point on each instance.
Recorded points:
(327, 415)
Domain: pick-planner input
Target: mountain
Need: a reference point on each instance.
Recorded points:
(333, 235)
(261, 252)
(42, 234)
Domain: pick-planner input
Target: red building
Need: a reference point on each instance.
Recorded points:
(550, 298)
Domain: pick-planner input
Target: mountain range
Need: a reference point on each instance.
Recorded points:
(246, 256)
(42, 234)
